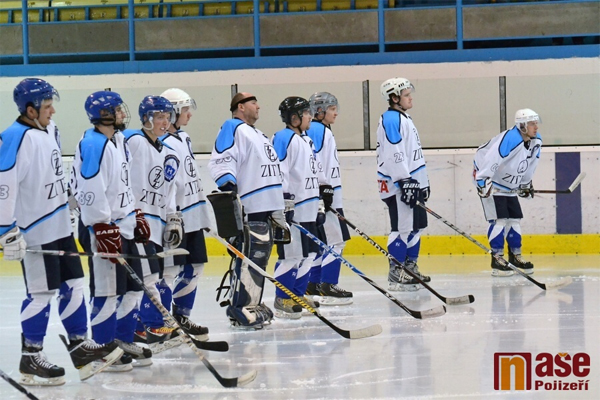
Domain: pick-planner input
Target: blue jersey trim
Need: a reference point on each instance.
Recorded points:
(311, 199)
(317, 133)
(12, 138)
(511, 140)
(501, 186)
(91, 152)
(383, 176)
(281, 142)
(223, 179)
(152, 216)
(43, 218)
(226, 137)
(418, 169)
(252, 193)
(337, 187)
(127, 216)
(6, 228)
(391, 125)
(192, 206)
(129, 133)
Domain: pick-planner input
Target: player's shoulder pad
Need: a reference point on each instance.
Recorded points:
(12, 138)
(281, 142)
(511, 139)
(317, 133)
(226, 136)
(129, 133)
(91, 152)
(391, 125)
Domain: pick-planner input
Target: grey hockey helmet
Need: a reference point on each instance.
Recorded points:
(321, 101)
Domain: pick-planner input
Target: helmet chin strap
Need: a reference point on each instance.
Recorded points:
(38, 124)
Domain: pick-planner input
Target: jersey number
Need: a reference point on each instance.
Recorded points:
(3, 192)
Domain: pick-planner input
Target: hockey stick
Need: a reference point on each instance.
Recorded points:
(545, 286)
(162, 254)
(452, 301)
(434, 312)
(16, 385)
(225, 382)
(372, 330)
(570, 189)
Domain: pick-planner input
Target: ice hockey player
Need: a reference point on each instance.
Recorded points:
(325, 272)
(301, 173)
(502, 170)
(403, 180)
(154, 169)
(34, 215)
(100, 182)
(244, 162)
(180, 280)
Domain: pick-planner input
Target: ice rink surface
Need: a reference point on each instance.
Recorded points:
(449, 357)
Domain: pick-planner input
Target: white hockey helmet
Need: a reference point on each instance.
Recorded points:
(525, 115)
(179, 99)
(395, 86)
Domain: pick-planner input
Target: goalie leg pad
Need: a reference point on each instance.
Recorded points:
(228, 213)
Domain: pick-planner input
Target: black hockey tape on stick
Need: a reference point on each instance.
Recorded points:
(544, 286)
(16, 385)
(225, 382)
(451, 301)
(372, 330)
(162, 254)
(434, 312)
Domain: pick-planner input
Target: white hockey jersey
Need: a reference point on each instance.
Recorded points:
(508, 160)
(154, 169)
(190, 195)
(243, 155)
(399, 153)
(33, 185)
(100, 181)
(326, 149)
(301, 172)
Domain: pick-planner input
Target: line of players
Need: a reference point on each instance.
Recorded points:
(137, 189)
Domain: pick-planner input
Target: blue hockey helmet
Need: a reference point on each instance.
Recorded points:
(151, 104)
(32, 92)
(101, 108)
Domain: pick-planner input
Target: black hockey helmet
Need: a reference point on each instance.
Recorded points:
(293, 105)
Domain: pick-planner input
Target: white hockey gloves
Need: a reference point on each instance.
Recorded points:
(526, 190)
(13, 244)
(173, 233)
(409, 189)
(321, 216)
(484, 187)
(281, 229)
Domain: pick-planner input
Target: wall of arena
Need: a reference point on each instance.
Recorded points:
(456, 109)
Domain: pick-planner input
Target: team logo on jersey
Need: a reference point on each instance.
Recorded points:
(56, 163)
(171, 167)
(534, 151)
(522, 166)
(189, 144)
(494, 168)
(57, 136)
(190, 169)
(270, 152)
(155, 177)
(125, 174)
(313, 164)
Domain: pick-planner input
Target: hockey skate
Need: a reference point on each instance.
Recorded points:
(196, 331)
(400, 281)
(518, 261)
(499, 269)
(36, 370)
(123, 364)
(311, 290)
(249, 317)
(312, 303)
(287, 308)
(162, 339)
(333, 295)
(90, 357)
(414, 268)
(142, 356)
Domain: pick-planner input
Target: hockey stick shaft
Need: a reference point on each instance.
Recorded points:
(450, 301)
(62, 253)
(500, 259)
(434, 312)
(225, 382)
(576, 182)
(16, 385)
(354, 334)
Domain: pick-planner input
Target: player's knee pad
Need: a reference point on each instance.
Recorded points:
(103, 308)
(397, 245)
(513, 233)
(128, 303)
(35, 303)
(170, 273)
(496, 234)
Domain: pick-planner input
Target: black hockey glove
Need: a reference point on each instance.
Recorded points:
(321, 213)
(288, 200)
(409, 189)
(526, 190)
(326, 193)
(228, 187)
(425, 192)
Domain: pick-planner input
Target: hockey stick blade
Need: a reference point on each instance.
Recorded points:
(576, 182)
(187, 339)
(211, 346)
(434, 312)
(566, 281)
(61, 253)
(451, 301)
(354, 334)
